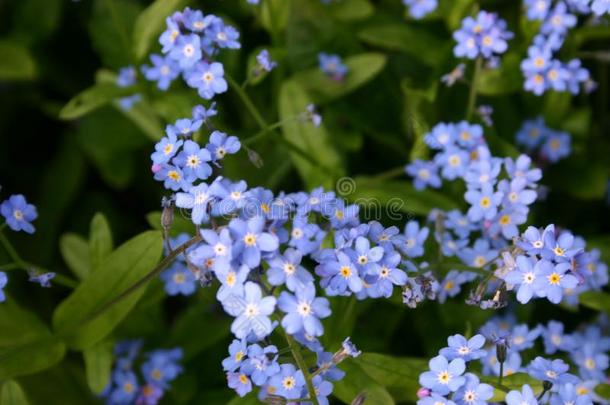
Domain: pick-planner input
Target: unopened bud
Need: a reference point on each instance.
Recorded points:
(255, 158)
(423, 392)
(167, 216)
(547, 385)
(274, 400)
(501, 350)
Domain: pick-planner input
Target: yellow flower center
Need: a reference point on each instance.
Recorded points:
(485, 202)
(345, 271)
(250, 239)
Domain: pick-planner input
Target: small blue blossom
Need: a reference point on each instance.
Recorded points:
(163, 71)
(339, 275)
(435, 399)
(166, 148)
(225, 36)
(264, 61)
(555, 371)
(197, 200)
(3, 282)
(522, 338)
(600, 7)
(411, 242)
(221, 144)
(524, 397)
(231, 280)
(453, 162)
(420, 8)
(444, 376)
(238, 350)
(388, 275)
(204, 114)
(18, 214)
(568, 394)
(240, 383)
(250, 240)
(465, 349)
(287, 269)
(43, 279)
(289, 382)
(193, 161)
(332, 65)
(537, 9)
(126, 387)
(424, 174)
(127, 76)
(559, 20)
(556, 147)
(473, 392)
(303, 311)
(484, 203)
(251, 311)
(555, 281)
(178, 280)
(208, 79)
(162, 367)
(451, 285)
(528, 277)
(555, 339)
(322, 388)
(186, 50)
(485, 35)
(261, 364)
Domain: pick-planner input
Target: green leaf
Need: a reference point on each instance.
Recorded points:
(584, 179)
(597, 300)
(16, 62)
(501, 81)
(361, 69)
(98, 365)
(144, 116)
(31, 25)
(313, 141)
(401, 374)
(12, 394)
(150, 23)
(357, 381)
(90, 313)
(397, 196)
(100, 240)
(417, 42)
(351, 10)
(275, 15)
(511, 382)
(603, 390)
(26, 344)
(91, 99)
(458, 10)
(75, 252)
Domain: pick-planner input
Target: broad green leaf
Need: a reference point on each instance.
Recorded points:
(361, 69)
(501, 81)
(98, 365)
(275, 15)
(597, 300)
(417, 42)
(26, 344)
(457, 10)
(11, 393)
(95, 308)
(91, 99)
(16, 62)
(100, 240)
(31, 25)
(416, 102)
(401, 374)
(584, 179)
(75, 252)
(350, 10)
(603, 390)
(144, 116)
(397, 196)
(150, 23)
(111, 29)
(357, 381)
(313, 141)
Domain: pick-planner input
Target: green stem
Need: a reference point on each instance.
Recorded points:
(390, 174)
(266, 132)
(22, 264)
(501, 373)
(298, 357)
(472, 97)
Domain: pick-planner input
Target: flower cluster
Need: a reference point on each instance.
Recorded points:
(484, 36)
(551, 145)
(418, 9)
(542, 71)
(157, 368)
(499, 348)
(332, 66)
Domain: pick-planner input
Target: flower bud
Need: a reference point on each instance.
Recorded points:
(423, 392)
(360, 398)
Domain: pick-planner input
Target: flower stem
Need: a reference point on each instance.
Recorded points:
(18, 262)
(472, 97)
(501, 373)
(267, 131)
(298, 357)
(247, 102)
(391, 173)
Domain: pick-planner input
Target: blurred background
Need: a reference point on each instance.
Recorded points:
(51, 50)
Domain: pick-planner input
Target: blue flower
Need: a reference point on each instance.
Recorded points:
(289, 382)
(560, 249)
(162, 367)
(554, 338)
(150, 394)
(169, 36)
(208, 79)
(537, 9)
(339, 275)
(453, 162)
(568, 394)
(204, 114)
(388, 275)
(435, 399)
(262, 363)
(264, 61)
(322, 388)
(18, 213)
(166, 148)
(197, 200)
(328, 369)
(532, 132)
(304, 236)
(528, 277)
(184, 127)
(522, 337)
(558, 20)
(600, 7)
(303, 311)
(251, 311)
(250, 240)
(485, 35)
(3, 282)
(186, 50)
(556, 147)
(192, 160)
(592, 362)
(43, 279)
(332, 65)
(220, 145)
(287, 269)
(484, 171)
(232, 281)
(458, 223)
(484, 203)
(441, 137)
(465, 349)
(451, 285)
(424, 174)
(420, 8)
(411, 242)
(364, 256)
(127, 76)
(506, 222)
(224, 36)
(127, 387)
(240, 383)
(238, 350)
(444, 376)
(554, 371)
(525, 397)
(521, 168)
(555, 281)
(178, 280)
(479, 255)
(163, 71)
(473, 392)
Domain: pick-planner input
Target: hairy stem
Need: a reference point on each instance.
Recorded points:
(298, 357)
